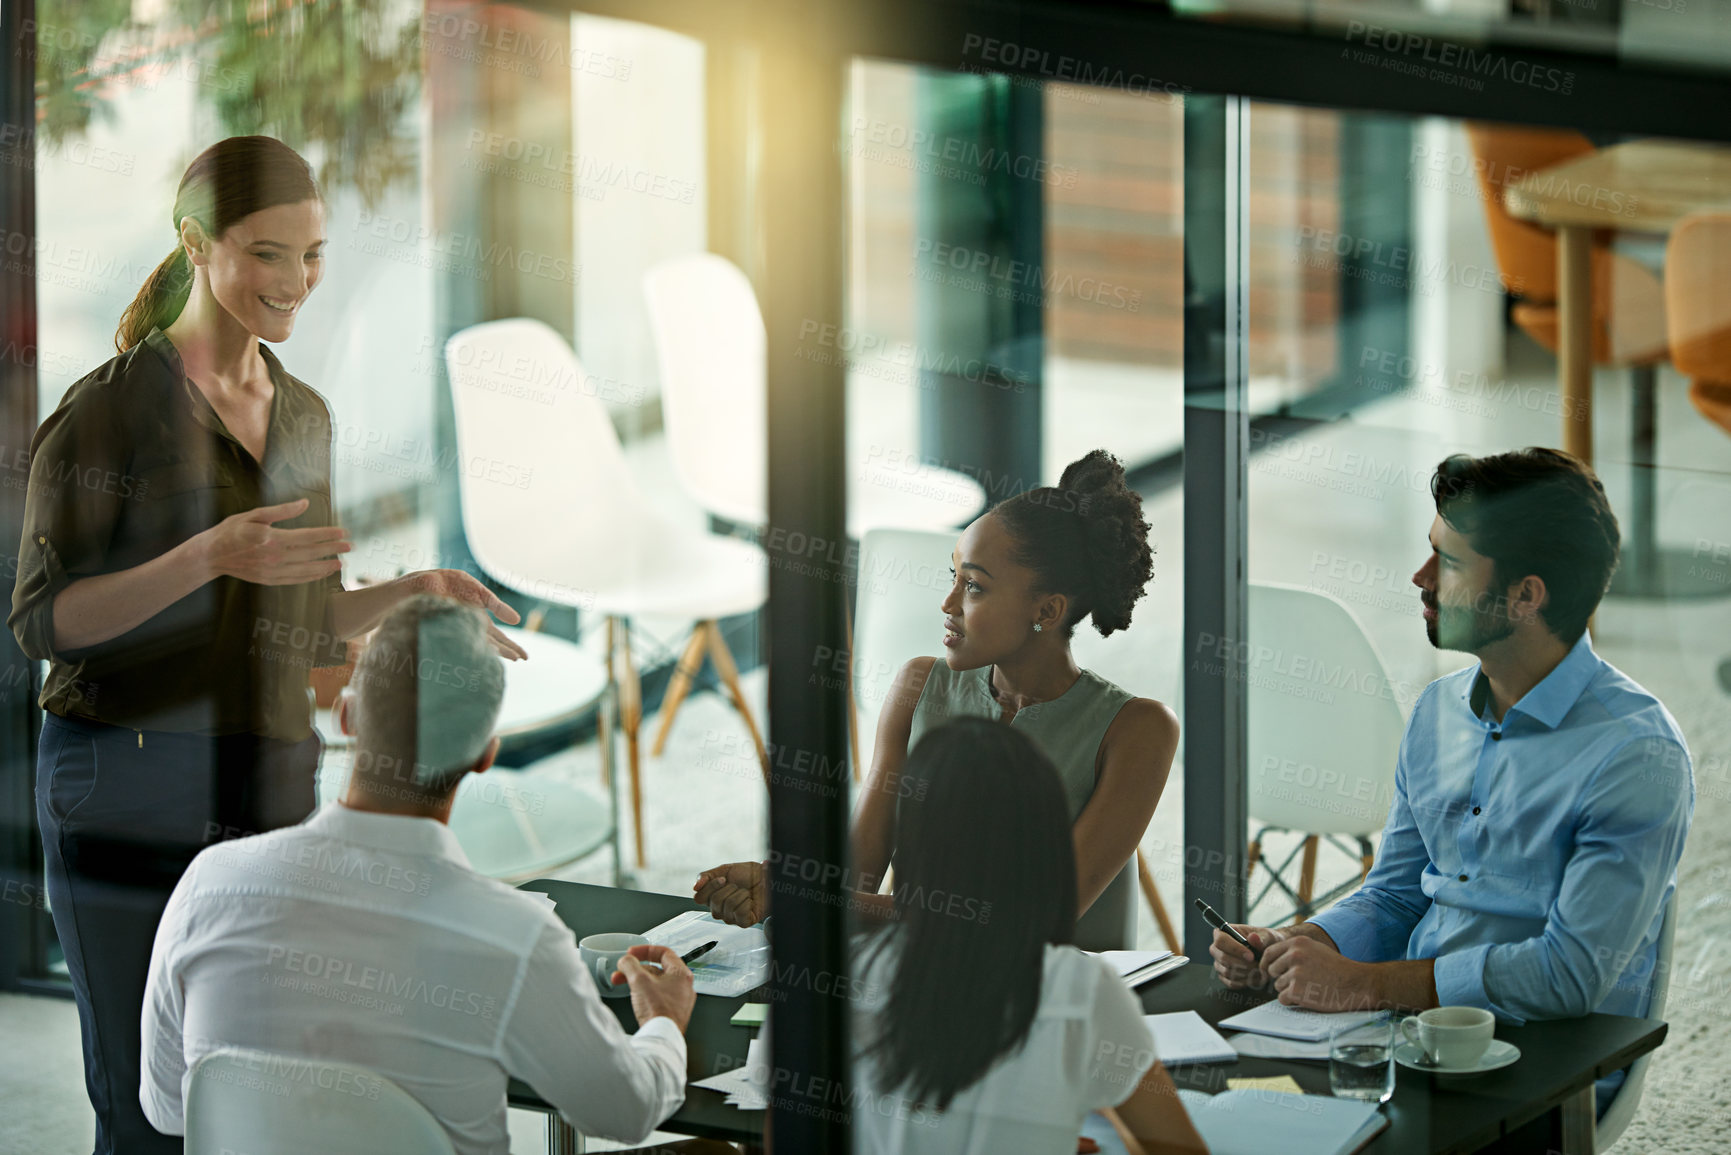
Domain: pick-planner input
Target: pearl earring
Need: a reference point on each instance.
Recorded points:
(1036, 627)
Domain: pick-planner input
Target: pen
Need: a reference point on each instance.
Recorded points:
(689, 956)
(1214, 920)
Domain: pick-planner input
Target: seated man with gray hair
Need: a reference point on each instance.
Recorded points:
(363, 935)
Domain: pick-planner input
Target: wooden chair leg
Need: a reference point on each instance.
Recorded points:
(690, 662)
(724, 666)
(1251, 859)
(604, 732)
(1307, 870)
(630, 720)
(1152, 893)
(1366, 861)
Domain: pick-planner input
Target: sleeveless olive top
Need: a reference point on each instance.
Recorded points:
(1069, 728)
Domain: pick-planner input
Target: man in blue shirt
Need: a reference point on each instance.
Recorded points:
(1541, 796)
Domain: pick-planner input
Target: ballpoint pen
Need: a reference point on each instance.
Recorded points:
(689, 956)
(1214, 920)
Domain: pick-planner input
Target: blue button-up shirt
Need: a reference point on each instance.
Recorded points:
(1532, 858)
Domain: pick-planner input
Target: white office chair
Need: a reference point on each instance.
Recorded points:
(265, 1103)
(1324, 732)
(550, 508)
(903, 577)
(1628, 1096)
(709, 339)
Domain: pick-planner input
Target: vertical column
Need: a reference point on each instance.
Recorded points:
(21, 923)
(1216, 146)
(803, 214)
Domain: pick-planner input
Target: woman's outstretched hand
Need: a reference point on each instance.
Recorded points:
(463, 587)
(248, 546)
(737, 892)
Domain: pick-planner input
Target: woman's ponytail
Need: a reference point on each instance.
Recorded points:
(231, 179)
(158, 303)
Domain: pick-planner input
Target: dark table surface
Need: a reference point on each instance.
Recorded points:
(712, 1043)
(1439, 1114)
(1429, 1113)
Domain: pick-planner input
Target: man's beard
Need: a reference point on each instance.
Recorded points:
(1468, 629)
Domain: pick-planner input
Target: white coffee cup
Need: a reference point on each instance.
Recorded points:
(1451, 1036)
(601, 954)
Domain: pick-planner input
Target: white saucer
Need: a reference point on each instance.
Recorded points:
(1498, 1054)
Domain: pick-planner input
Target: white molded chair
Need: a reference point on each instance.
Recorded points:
(264, 1103)
(709, 339)
(550, 508)
(1628, 1096)
(1324, 733)
(904, 575)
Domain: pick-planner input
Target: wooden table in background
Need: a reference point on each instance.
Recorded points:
(1659, 182)
(1643, 186)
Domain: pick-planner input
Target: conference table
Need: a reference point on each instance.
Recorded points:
(1543, 1103)
(1641, 186)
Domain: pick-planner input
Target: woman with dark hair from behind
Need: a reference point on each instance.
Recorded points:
(1024, 575)
(180, 573)
(982, 1029)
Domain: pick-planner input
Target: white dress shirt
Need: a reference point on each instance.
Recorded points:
(367, 938)
(1087, 1048)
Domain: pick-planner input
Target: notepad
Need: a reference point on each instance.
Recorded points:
(749, 1015)
(1285, 1084)
(1256, 1122)
(1245, 1122)
(1275, 1018)
(739, 962)
(1253, 1046)
(747, 1086)
(1136, 967)
(1182, 1037)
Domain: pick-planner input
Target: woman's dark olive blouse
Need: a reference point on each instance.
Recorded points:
(132, 463)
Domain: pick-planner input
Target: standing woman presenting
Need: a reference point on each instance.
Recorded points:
(180, 573)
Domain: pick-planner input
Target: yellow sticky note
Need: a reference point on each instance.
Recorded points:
(1284, 1083)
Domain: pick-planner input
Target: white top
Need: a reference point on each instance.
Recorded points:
(1088, 1047)
(366, 938)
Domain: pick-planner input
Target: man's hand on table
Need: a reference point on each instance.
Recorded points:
(1236, 966)
(1315, 976)
(737, 893)
(655, 993)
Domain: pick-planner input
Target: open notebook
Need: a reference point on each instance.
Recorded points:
(1255, 1122)
(1136, 967)
(1273, 1018)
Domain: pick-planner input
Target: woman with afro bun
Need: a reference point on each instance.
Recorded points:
(1024, 575)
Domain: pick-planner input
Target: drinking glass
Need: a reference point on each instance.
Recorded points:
(1361, 1061)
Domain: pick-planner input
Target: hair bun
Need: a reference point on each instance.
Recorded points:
(1106, 577)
